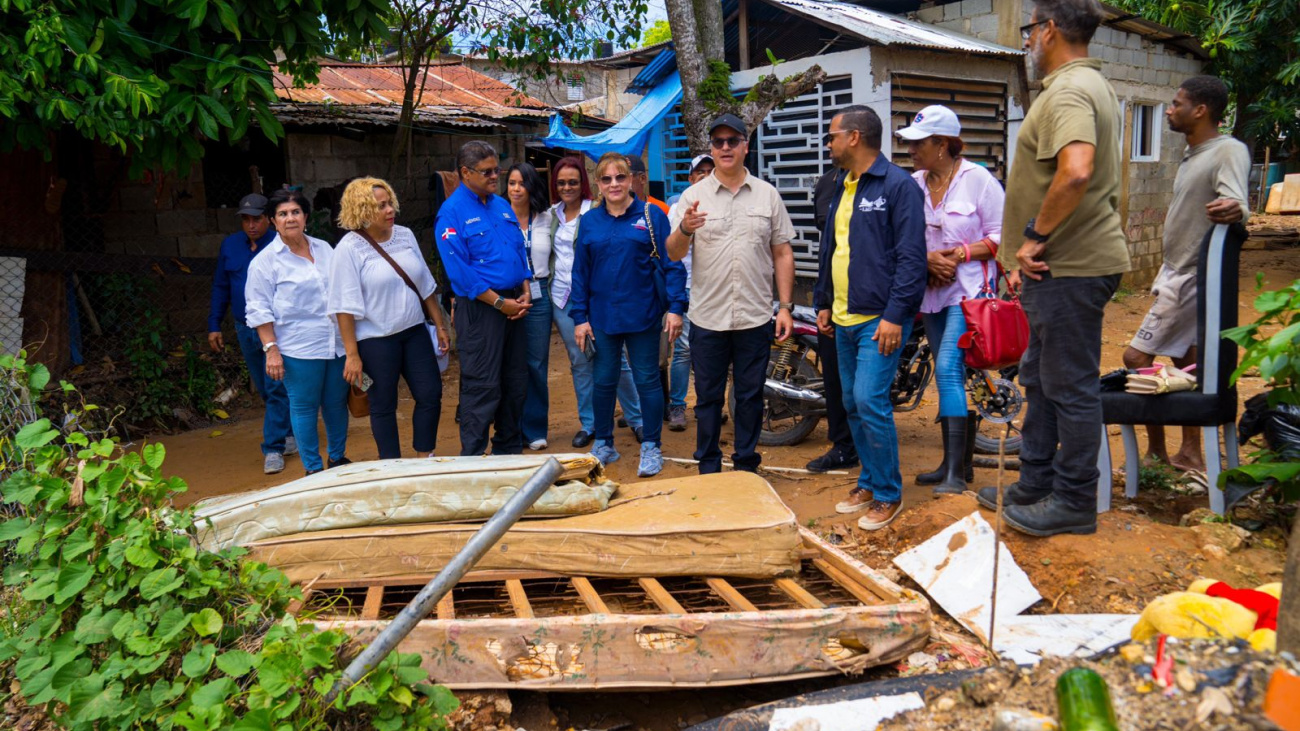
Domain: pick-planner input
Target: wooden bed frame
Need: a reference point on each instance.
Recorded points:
(530, 629)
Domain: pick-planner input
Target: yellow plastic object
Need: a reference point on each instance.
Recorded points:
(1187, 614)
(1263, 640)
(1200, 586)
(1274, 590)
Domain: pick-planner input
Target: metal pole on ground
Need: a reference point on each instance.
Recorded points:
(454, 571)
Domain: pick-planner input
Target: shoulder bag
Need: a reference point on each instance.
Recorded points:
(428, 321)
(997, 331)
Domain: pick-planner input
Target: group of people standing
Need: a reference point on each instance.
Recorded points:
(631, 284)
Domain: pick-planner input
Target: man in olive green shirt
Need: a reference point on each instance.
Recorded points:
(1063, 194)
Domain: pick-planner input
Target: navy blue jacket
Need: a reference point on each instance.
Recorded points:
(613, 271)
(887, 263)
(231, 275)
(481, 245)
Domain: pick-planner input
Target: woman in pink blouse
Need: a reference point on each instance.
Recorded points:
(963, 217)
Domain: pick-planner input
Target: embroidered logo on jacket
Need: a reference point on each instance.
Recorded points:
(448, 233)
(475, 219)
(877, 205)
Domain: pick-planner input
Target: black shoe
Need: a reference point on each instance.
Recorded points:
(1016, 494)
(342, 461)
(972, 427)
(954, 453)
(1051, 517)
(639, 433)
(935, 476)
(582, 439)
(834, 459)
(622, 421)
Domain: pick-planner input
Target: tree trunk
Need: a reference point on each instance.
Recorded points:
(405, 120)
(1288, 612)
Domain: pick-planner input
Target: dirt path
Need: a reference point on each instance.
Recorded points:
(1140, 551)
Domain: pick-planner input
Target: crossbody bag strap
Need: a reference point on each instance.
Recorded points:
(654, 247)
(396, 267)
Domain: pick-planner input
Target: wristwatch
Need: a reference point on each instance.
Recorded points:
(1032, 234)
(267, 348)
(501, 302)
(785, 306)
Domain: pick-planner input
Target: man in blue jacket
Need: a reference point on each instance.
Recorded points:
(870, 282)
(237, 252)
(483, 252)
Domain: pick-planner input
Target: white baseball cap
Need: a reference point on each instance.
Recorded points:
(699, 159)
(933, 120)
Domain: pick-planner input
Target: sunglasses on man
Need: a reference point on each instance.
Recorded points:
(724, 143)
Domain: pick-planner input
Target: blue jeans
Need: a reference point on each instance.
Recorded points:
(275, 423)
(643, 358)
(537, 331)
(679, 372)
(583, 378)
(866, 376)
(316, 387)
(942, 329)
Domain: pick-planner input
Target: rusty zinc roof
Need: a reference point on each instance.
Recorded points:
(450, 92)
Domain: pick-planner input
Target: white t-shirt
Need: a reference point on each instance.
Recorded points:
(290, 292)
(364, 285)
(562, 248)
(537, 241)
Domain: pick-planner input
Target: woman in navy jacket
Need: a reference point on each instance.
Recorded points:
(623, 284)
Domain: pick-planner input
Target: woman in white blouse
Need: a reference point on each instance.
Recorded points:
(526, 192)
(383, 295)
(286, 292)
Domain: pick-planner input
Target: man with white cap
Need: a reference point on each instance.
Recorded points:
(679, 374)
(738, 230)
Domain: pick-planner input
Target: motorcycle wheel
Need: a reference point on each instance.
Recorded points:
(986, 438)
(787, 429)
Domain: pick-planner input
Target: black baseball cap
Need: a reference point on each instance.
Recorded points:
(636, 164)
(732, 121)
(252, 205)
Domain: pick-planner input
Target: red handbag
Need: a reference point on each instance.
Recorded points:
(997, 331)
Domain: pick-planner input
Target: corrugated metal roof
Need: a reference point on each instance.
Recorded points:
(890, 30)
(332, 114)
(452, 94)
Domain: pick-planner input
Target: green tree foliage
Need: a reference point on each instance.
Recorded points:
(154, 78)
(1254, 46)
(657, 33)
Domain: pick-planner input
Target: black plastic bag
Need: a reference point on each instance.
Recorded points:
(1279, 424)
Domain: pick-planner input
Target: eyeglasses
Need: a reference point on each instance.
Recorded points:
(568, 183)
(607, 179)
(489, 173)
(723, 143)
(1028, 29)
(826, 140)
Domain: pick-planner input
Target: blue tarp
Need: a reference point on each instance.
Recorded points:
(630, 134)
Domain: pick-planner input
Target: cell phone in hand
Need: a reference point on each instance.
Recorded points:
(589, 350)
(366, 382)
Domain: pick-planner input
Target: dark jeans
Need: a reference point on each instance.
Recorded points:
(1058, 371)
(537, 325)
(837, 422)
(713, 354)
(408, 354)
(493, 377)
(643, 358)
(275, 422)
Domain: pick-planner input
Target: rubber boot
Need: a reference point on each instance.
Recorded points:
(936, 476)
(954, 451)
(972, 426)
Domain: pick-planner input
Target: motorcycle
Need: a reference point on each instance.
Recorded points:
(794, 394)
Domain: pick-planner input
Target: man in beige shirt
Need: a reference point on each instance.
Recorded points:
(1063, 194)
(738, 232)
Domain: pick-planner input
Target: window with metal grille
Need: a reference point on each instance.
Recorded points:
(575, 89)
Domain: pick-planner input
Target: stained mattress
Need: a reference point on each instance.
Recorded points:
(730, 524)
(398, 491)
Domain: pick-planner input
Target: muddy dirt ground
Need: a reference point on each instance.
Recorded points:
(1146, 551)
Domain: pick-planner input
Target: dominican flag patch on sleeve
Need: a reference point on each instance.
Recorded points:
(448, 233)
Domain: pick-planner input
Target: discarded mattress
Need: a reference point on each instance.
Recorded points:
(397, 491)
(730, 524)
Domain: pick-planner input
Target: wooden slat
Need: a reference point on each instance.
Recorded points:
(589, 595)
(728, 592)
(418, 580)
(859, 592)
(799, 594)
(660, 596)
(374, 599)
(447, 607)
(519, 599)
(888, 595)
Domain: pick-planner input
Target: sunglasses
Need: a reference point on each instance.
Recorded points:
(723, 143)
(489, 173)
(826, 139)
(607, 179)
(568, 183)
(1028, 29)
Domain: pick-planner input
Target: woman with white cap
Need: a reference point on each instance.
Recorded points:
(963, 217)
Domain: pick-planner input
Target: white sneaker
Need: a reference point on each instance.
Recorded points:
(290, 446)
(273, 463)
(537, 445)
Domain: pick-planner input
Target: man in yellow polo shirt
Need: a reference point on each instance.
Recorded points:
(869, 287)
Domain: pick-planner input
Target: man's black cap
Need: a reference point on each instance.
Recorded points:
(636, 164)
(732, 121)
(252, 205)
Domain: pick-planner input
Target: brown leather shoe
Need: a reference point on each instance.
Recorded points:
(880, 514)
(858, 499)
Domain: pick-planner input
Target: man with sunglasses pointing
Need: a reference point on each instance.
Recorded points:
(738, 232)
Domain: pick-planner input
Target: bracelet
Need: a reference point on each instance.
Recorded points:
(966, 247)
(267, 348)
(682, 227)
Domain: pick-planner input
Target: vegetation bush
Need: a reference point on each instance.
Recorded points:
(115, 619)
